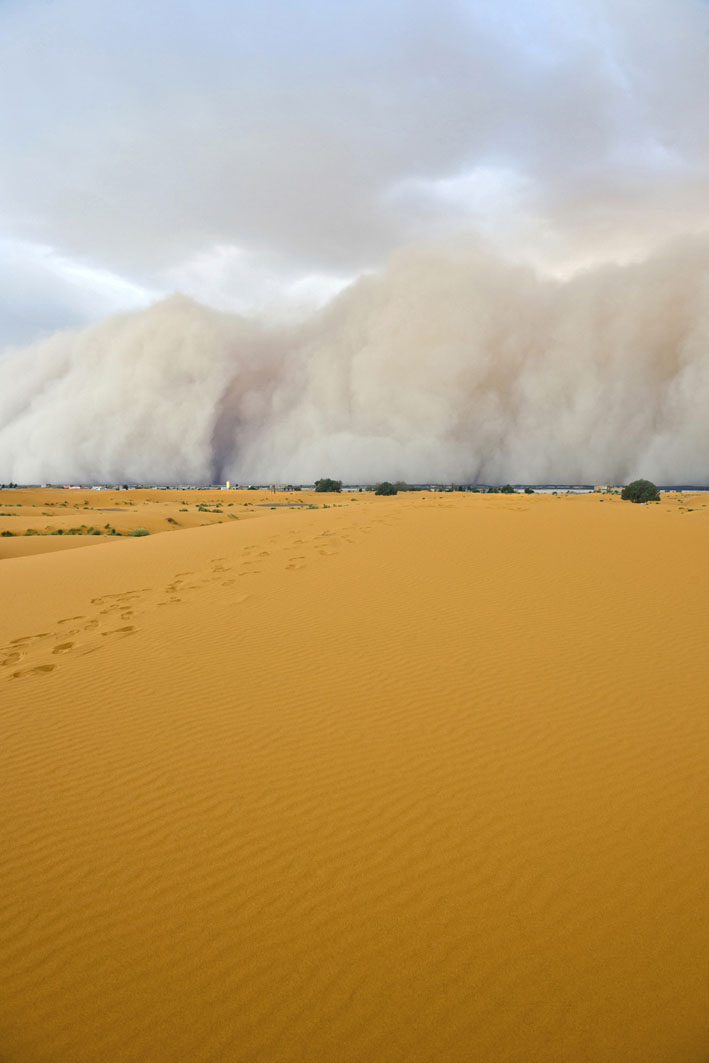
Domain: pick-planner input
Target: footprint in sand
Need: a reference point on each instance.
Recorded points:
(68, 619)
(40, 669)
(63, 647)
(12, 658)
(129, 629)
(228, 582)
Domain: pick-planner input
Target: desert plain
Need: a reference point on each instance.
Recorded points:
(420, 778)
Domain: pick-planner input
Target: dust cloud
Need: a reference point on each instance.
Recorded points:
(449, 364)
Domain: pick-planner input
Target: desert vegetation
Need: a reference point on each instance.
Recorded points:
(640, 491)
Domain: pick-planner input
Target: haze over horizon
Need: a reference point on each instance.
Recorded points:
(432, 241)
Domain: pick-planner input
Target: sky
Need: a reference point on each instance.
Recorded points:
(258, 157)
(268, 195)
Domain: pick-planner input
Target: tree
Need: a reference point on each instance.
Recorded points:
(508, 489)
(640, 491)
(328, 486)
(385, 488)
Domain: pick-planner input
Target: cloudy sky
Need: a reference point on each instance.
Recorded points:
(260, 156)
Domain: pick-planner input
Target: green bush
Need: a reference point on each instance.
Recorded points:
(508, 489)
(385, 488)
(328, 486)
(140, 531)
(6, 534)
(640, 491)
(529, 490)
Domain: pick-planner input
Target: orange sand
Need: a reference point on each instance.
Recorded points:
(34, 516)
(412, 779)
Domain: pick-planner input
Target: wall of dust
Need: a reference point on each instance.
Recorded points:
(450, 364)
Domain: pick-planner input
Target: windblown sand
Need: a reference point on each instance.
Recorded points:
(415, 779)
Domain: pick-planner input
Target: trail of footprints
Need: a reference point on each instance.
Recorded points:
(112, 616)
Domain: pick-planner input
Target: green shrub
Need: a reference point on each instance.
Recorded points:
(328, 486)
(640, 491)
(508, 489)
(6, 534)
(529, 490)
(385, 488)
(139, 531)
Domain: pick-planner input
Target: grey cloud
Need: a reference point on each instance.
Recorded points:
(41, 292)
(144, 134)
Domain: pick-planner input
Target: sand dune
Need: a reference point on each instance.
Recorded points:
(412, 779)
(42, 520)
